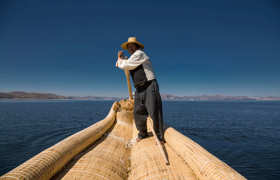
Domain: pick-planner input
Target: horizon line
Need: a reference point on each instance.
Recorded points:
(203, 94)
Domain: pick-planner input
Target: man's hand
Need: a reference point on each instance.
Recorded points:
(120, 54)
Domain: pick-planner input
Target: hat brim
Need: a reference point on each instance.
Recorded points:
(124, 45)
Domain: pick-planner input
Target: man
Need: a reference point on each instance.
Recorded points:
(147, 100)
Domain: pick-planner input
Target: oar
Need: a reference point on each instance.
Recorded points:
(149, 119)
(128, 83)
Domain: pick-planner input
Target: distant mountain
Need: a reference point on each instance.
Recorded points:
(217, 97)
(29, 95)
(34, 95)
(94, 98)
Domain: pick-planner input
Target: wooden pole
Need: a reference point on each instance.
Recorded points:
(158, 142)
(128, 83)
(149, 119)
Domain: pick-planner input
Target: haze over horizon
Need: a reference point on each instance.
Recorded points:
(196, 48)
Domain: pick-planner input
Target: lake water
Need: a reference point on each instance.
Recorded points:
(245, 135)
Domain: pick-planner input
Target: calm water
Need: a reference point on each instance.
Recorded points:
(246, 135)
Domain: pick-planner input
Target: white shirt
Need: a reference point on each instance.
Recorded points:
(137, 58)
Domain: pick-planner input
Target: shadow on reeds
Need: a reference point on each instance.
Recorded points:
(163, 145)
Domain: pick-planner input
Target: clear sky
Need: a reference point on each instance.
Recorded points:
(196, 47)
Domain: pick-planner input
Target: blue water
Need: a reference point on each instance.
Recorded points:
(245, 135)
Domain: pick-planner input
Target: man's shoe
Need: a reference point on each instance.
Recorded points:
(139, 138)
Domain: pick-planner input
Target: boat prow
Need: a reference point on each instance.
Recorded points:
(107, 150)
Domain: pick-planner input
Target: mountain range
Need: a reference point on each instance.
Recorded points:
(217, 97)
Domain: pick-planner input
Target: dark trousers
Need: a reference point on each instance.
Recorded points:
(147, 101)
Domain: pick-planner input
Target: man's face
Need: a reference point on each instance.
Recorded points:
(131, 47)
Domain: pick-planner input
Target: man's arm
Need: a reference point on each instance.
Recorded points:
(136, 59)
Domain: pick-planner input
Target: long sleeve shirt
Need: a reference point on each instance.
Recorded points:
(138, 58)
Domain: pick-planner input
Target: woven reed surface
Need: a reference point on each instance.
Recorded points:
(107, 159)
(204, 164)
(110, 158)
(147, 162)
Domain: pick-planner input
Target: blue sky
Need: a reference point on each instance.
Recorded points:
(196, 47)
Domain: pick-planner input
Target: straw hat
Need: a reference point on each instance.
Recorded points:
(131, 40)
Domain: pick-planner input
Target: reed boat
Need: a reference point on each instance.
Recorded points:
(106, 151)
